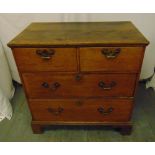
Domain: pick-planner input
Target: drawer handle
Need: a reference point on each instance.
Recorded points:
(45, 85)
(56, 112)
(109, 54)
(45, 54)
(103, 112)
(104, 86)
(55, 85)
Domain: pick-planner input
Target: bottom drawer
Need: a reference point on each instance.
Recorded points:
(90, 110)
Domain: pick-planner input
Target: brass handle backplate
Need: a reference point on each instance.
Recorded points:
(45, 85)
(104, 86)
(111, 53)
(56, 112)
(102, 111)
(53, 86)
(45, 53)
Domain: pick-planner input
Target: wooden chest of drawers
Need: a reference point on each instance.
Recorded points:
(80, 73)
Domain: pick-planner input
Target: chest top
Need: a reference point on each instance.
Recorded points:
(79, 34)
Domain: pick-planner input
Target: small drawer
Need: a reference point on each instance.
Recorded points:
(111, 59)
(75, 110)
(48, 85)
(46, 59)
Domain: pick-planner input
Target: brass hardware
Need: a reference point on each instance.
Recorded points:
(56, 112)
(45, 85)
(103, 112)
(55, 85)
(78, 77)
(45, 54)
(110, 54)
(104, 86)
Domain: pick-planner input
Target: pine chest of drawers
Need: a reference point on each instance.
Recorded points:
(80, 73)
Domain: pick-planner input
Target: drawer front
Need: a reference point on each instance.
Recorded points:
(111, 59)
(46, 59)
(48, 85)
(94, 110)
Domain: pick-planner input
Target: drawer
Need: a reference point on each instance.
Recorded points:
(48, 85)
(111, 59)
(46, 59)
(91, 110)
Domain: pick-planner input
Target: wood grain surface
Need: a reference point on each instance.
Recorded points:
(63, 59)
(79, 34)
(82, 110)
(128, 60)
(87, 86)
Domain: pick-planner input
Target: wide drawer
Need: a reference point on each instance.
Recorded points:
(92, 110)
(46, 59)
(48, 85)
(111, 59)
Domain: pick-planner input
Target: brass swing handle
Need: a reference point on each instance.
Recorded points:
(54, 85)
(104, 86)
(45, 54)
(111, 54)
(57, 111)
(103, 112)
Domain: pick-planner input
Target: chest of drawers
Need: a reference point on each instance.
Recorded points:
(80, 73)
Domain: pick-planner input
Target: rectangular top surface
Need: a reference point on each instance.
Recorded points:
(79, 34)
